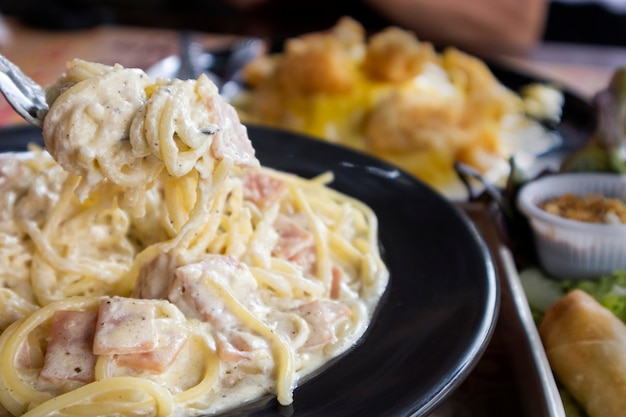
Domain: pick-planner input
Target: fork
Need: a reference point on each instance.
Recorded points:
(26, 97)
(243, 51)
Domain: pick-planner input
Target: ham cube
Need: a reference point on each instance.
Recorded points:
(125, 325)
(69, 355)
(171, 342)
(323, 316)
(30, 354)
(293, 238)
(196, 299)
(295, 244)
(231, 140)
(155, 277)
(262, 189)
(335, 283)
(193, 293)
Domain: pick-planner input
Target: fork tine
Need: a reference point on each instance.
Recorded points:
(26, 97)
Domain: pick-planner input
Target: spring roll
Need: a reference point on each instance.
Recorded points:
(586, 346)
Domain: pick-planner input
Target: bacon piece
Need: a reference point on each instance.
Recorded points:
(24, 355)
(69, 355)
(228, 353)
(125, 325)
(293, 238)
(323, 316)
(30, 353)
(335, 283)
(195, 298)
(239, 346)
(231, 141)
(155, 277)
(198, 293)
(262, 189)
(171, 342)
(295, 243)
(193, 294)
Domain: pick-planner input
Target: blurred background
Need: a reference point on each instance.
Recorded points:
(576, 42)
(280, 18)
(479, 26)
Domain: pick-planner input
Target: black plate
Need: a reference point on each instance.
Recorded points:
(438, 313)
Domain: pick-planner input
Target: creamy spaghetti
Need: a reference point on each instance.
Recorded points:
(153, 267)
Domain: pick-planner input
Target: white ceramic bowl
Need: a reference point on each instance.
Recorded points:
(571, 249)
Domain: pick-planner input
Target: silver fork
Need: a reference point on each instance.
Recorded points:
(243, 51)
(190, 51)
(26, 97)
(191, 59)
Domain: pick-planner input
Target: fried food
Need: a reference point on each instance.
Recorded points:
(395, 55)
(394, 96)
(584, 343)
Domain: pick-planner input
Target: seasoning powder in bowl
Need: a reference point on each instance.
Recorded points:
(578, 221)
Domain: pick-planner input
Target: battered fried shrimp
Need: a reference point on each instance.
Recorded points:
(396, 97)
(350, 33)
(396, 55)
(320, 62)
(487, 98)
(406, 121)
(316, 63)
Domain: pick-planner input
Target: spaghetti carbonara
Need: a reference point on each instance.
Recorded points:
(153, 267)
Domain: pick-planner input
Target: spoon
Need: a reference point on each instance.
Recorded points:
(26, 97)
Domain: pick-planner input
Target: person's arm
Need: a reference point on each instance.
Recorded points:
(481, 26)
